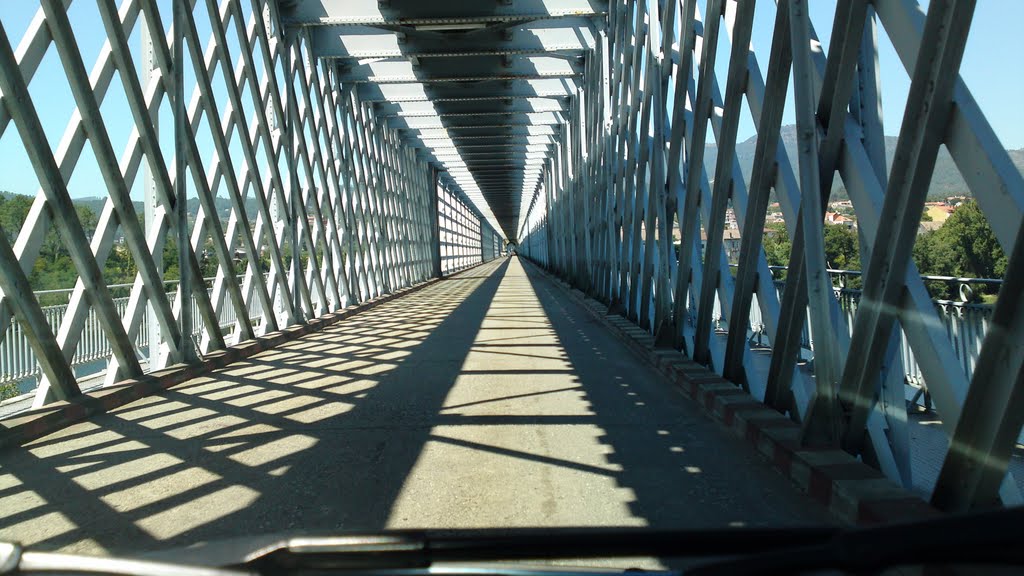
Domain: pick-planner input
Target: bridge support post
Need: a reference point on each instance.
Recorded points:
(150, 201)
(435, 231)
(181, 132)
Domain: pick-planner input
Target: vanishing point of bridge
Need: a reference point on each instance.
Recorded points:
(460, 264)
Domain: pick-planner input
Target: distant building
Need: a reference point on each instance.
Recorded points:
(730, 219)
(837, 218)
(730, 241)
(939, 211)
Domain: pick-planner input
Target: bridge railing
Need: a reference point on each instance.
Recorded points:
(263, 159)
(18, 362)
(966, 323)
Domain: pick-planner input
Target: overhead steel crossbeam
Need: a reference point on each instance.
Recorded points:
(628, 211)
(436, 14)
(467, 108)
(517, 37)
(478, 120)
(462, 75)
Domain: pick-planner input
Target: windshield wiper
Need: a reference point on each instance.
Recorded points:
(16, 560)
(421, 549)
(986, 538)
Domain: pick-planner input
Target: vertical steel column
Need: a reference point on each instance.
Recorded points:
(779, 65)
(926, 119)
(630, 221)
(676, 165)
(714, 276)
(643, 222)
(821, 424)
(292, 206)
(690, 226)
(660, 197)
(150, 203)
(625, 46)
(181, 199)
(434, 211)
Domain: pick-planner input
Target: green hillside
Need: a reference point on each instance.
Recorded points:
(946, 180)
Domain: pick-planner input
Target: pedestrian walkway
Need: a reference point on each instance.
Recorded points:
(484, 400)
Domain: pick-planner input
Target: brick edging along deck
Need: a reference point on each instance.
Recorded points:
(32, 424)
(850, 489)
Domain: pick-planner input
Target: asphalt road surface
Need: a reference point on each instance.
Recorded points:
(484, 400)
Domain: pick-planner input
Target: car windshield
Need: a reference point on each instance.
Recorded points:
(475, 403)
(277, 269)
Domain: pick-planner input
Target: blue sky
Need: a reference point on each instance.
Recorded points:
(988, 66)
(994, 41)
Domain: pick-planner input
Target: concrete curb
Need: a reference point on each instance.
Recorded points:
(32, 424)
(850, 489)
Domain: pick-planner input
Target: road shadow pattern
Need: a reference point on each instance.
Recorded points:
(484, 400)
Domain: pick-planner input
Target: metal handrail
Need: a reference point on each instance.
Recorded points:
(965, 322)
(17, 359)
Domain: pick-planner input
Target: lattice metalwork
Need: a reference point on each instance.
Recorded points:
(328, 207)
(463, 235)
(481, 88)
(630, 168)
(363, 146)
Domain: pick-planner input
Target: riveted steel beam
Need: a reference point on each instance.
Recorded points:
(466, 15)
(471, 90)
(466, 108)
(461, 69)
(483, 131)
(779, 65)
(724, 171)
(481, 140)
(476, 120)
(446, 147)
(923, 130)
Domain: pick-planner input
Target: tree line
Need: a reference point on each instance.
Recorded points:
(964, 246)
(54, 270)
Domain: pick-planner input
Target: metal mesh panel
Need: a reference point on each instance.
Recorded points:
(302, 201)
(633, 205)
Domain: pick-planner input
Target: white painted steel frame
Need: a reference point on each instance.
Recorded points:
(342, 205)
(606, 138)
(465, 237)
(629, 164)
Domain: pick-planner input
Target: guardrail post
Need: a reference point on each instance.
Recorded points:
(150, 201)
(435, 231)
(181, 130)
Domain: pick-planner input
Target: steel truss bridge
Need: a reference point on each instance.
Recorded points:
(367, 146)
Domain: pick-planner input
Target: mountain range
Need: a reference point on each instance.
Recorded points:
(946, 180)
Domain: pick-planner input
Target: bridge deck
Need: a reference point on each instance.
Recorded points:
(483, 400)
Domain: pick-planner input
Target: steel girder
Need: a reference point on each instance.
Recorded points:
(417, 12)
(459, 68)
(567, 37)
(472, 69)
(477, 120)
(467, 108)
(628, 165)
(326, 206)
